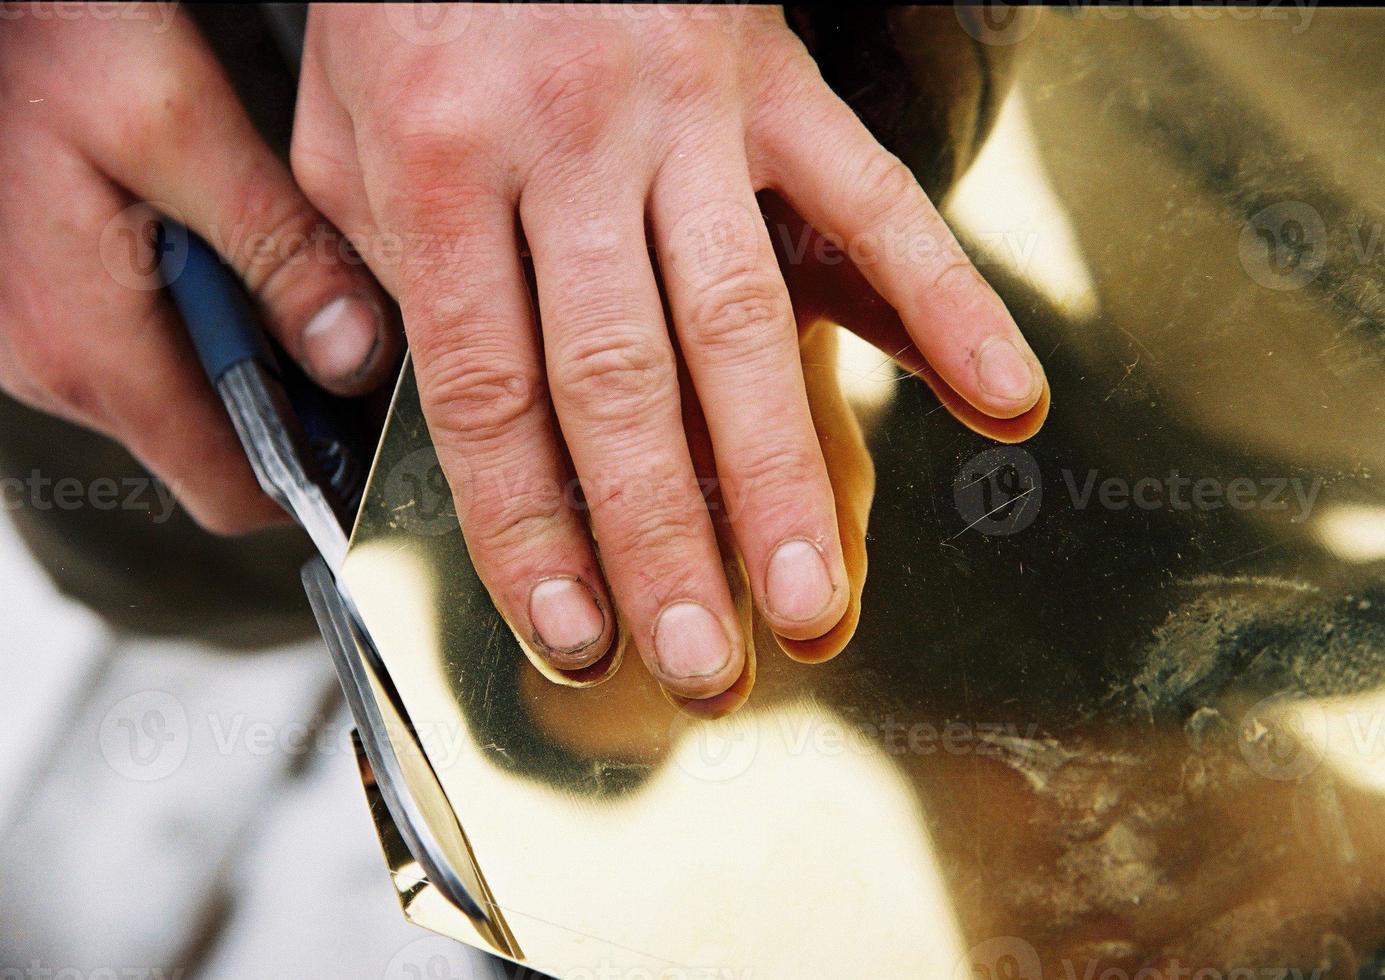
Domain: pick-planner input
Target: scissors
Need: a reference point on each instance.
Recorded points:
(307, 456)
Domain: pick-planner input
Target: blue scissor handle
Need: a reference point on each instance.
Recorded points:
(226, 331)
(220, 319)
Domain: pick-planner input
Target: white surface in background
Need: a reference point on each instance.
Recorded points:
(49, 650)
(164, 805)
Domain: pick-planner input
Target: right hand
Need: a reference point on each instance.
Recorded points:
(97, 116)
(592, 141)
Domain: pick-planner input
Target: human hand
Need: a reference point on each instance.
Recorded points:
(590, 140)
(97, 116)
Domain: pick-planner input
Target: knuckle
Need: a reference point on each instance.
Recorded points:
(317, 173)
(888, 186)
(502, 525)
(614, 375)
(956, 283)
(427, 141)
(479, 397)
(572, 91)
(651, 530)
(169, 111)
(779, 478)
(690, 67)
(227, 520)
(602, 247)
(746, 310)
(284, 231)
(424, 149)
(784, 70)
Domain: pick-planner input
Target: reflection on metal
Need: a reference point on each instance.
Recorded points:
(1005, 207)
(1141, 727)
(1354, 532)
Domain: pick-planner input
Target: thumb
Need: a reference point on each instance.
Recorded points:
(198, 159)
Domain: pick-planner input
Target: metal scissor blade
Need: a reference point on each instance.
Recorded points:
(406, 781)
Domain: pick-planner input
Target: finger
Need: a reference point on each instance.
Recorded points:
(162, 410)
(736, 329)
(476, 355)
(613, 380)
(851, 189)
(99, 350)
(328, 169)
(838, 293)
(733, 569)
(202, 161)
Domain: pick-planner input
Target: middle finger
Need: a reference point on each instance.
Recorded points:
(614, 385)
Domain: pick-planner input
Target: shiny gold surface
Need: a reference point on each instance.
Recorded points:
(1085, 732)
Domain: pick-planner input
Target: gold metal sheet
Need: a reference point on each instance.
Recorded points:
(1115, 697)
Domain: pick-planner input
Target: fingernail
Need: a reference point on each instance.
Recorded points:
(689, 641)
(339, 343)
(1004, 372)
(797, 583)
(565, 615)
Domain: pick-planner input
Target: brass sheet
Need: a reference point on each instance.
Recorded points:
(1077, 729)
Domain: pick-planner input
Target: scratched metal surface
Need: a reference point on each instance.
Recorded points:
(1115, 697)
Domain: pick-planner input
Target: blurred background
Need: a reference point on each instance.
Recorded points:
(168, 811)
